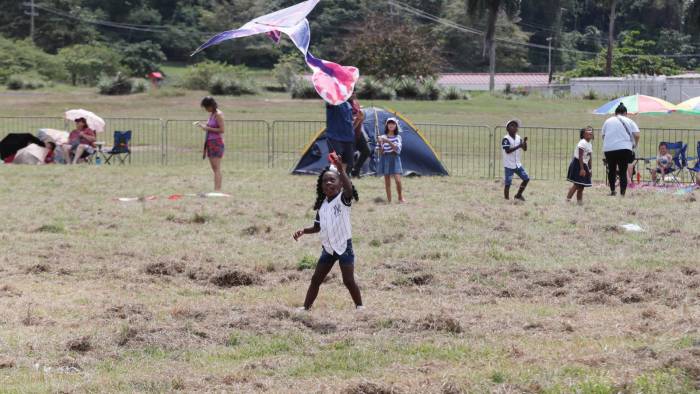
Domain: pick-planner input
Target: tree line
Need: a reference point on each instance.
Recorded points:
(647, 36)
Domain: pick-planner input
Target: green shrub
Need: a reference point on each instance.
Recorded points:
(117, 85)
(453, 93)
(429, 89)
(25, 81)
(21, 57)
(86, 63)
(139, 86)
(373, 89)
(288, 69)
(303, 89)
(231, 85)
(15, 82)
(141, 58)
(406, 88)
(201, 75)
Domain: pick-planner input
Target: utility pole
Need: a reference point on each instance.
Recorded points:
(31, 14)
(549, 62)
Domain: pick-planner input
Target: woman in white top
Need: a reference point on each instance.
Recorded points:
(580, 168)
(620, 138)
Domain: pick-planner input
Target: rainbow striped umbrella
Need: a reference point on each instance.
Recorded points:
(691, 106)
(637, 104)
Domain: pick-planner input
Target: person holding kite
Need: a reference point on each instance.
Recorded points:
(334, 195)
(214, 140)
(340, 133)
(361, 143)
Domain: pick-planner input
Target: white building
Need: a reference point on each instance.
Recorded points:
(674, 89)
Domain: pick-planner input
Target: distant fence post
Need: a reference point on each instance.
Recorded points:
(164, 142)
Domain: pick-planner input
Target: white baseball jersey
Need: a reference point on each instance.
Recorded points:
(334, 219)
(511, 160)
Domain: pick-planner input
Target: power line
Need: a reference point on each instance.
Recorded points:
(116, 25)
(454, 25)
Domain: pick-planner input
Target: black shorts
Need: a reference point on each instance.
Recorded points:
(347, 258)
(346, 150)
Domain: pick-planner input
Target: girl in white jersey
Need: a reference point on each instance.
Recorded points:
(334, 195)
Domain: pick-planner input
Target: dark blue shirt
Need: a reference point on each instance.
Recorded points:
(339, 122)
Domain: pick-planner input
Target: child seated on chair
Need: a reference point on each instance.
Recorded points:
(664, 162)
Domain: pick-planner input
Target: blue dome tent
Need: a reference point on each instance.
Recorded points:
(417, 156)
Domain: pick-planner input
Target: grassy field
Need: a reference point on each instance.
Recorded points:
(482, 109)
(465, 292)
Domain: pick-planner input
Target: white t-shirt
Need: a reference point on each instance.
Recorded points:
(334, 219)
(511, 160)
(615, 136)
(587, 150)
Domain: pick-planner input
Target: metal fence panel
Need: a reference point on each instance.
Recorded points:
(549, 153)
(146, 138)
(247, 143)
(27, 124)
(550, 150)
(290, 140)
(463, 150)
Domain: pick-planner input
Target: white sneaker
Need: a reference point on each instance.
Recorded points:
(301, 309)
(359, 308)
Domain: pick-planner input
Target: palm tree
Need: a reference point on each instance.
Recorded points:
(492, 8)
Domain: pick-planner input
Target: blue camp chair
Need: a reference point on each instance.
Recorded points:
(695, 170)
(121, 149)
(680, 162)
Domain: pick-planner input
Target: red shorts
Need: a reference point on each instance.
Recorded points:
(214, 148)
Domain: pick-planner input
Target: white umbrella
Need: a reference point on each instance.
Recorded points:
(32, 154)
(59, 137)
(93, 121)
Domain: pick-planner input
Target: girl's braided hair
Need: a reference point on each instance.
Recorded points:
(319, 190)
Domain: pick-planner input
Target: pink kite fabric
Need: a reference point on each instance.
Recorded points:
(333, 82)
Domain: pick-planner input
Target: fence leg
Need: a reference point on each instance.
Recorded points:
(164, 142)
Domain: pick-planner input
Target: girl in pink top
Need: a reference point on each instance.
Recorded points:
(214, 141)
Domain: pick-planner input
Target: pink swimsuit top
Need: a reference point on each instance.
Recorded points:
(213, 123)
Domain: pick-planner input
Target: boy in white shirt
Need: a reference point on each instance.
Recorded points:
(513, 146)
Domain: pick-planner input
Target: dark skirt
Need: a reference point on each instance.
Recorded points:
(390, 164)
(574, 175)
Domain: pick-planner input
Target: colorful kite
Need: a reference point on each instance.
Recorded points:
(333, 82)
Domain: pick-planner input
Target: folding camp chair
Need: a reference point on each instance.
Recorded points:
(694, 171)
(680, 161)
(121, 149)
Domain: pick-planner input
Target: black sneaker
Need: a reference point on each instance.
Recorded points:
(521, 198)
(613, 194)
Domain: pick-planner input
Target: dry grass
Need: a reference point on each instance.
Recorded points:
(465, 292)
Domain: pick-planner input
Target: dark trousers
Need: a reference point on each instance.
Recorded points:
(361, 146)
(618, 160)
